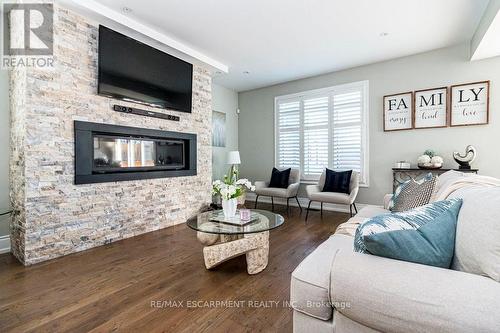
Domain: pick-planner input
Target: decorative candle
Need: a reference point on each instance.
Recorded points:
(244, 214)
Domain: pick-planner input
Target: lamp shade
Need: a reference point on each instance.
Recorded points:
(233, 157)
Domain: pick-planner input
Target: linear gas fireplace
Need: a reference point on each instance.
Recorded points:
(109, 153)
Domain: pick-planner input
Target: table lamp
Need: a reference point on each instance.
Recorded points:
(233, 158)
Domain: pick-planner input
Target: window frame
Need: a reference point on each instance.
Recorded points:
(329, 91)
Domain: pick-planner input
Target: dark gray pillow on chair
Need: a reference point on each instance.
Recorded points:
(280, 178)
(338, 182)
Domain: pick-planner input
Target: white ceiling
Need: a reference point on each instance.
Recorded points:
(485, 42)
(283, 40)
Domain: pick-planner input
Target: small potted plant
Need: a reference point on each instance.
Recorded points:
(230, 189)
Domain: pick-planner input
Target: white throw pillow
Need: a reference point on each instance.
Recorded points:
(477, 242)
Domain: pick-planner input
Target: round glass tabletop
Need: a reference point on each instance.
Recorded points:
(265, 221)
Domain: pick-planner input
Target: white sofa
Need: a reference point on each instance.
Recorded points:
(337, 290)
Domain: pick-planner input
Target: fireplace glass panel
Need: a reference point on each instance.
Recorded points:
(115, 153)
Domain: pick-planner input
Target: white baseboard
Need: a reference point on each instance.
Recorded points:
(4, 244)
(303, 202)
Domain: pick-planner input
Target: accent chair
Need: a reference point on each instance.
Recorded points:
(315, 193)
(262, 189)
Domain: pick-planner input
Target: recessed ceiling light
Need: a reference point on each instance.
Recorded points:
(384, 34)
(127, 10)
(246, 72)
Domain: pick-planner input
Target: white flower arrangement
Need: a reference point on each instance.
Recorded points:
(424, 159)
(230, 189)
(437, 160)
(430, 160)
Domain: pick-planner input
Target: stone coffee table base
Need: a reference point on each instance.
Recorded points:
(220, 248)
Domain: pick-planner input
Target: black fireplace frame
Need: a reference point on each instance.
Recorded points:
(84, 150)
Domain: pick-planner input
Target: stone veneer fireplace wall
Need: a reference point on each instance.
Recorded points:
(52, 216)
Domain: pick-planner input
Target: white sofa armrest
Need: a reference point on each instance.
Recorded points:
(387, 200)
(396, 296)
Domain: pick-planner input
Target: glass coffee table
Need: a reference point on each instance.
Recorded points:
(223, 241)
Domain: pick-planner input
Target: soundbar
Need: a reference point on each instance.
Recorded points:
(140, 112)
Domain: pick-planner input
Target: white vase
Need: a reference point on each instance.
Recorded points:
(229, 207)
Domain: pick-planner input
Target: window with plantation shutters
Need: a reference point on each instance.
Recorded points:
(316, 138)
(324, 128)
(288, 138)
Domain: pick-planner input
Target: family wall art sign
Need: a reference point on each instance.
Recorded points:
(460, 105)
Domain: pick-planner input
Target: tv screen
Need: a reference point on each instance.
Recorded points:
(132, 71)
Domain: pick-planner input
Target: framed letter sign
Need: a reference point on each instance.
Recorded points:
(431, 108)
(398, 111)
(470, 103)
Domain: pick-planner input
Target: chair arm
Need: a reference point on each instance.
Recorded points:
(292, 190)
(353, 195)
(396, 296)
(261, 184)
(310, 189)
(387, 200)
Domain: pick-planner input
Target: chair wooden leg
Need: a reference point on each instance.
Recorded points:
(256, 198)
(350, 209)
(287, 206)
(298, 203)
(355, 208)
(307, 212)
(272, 204)
(321, 209)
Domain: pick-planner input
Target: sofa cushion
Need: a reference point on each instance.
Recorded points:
(332, 197)
(349, 228)
(272, 192)
(477, 245)
(397, 296)
(310, 284)
(364, 214)
(370, 211)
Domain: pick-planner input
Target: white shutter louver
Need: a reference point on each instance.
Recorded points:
(288, 139)
(347, 134)
(316, 141)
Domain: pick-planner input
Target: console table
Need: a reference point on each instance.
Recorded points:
(399, 176)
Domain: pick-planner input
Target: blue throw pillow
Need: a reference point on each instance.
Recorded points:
(424, 235)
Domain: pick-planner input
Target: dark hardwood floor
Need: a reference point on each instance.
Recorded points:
(112, 287)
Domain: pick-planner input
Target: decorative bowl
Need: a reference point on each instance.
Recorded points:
(430, 166)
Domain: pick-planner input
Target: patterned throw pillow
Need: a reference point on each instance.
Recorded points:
(413, 193)
(424, 235)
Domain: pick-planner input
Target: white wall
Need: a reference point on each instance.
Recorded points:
(225, 100)
(427, 70)
(4, 150)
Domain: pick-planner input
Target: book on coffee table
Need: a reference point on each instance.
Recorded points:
(219, 217)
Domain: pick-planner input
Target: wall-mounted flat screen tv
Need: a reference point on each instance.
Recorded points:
(132, 71)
